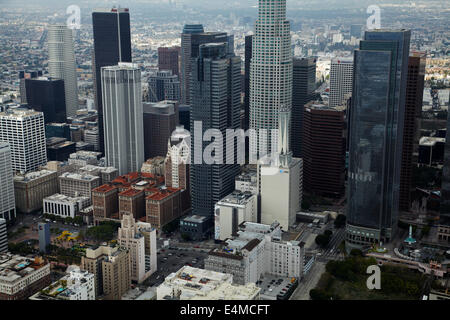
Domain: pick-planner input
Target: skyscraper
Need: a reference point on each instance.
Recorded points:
(216, 104)
(323, 149)
(248, 58)
(124, 128)
(191, 39)
(47, 95)
(341, 75)
(62, 64)
(112, 44)
(164, 86)
(270, 74)
(303, 86)
(3, 236)
(411, 131)
(444, 219)
(23, 76)
(24, 130)
(377, 119)
(7, 199)
(168, 59)
(160, 120)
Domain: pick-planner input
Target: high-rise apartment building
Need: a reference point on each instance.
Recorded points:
(160, 120)
(191, 39)
(164, 86)
(112, 44)
(270, 75)
(323, 150)
(303, 86)
(24, 130)
(47, 95)
(411, 130)
(7, 199)
(168, 59)
(215, 105)
(62, 64)
(341, 80)
(376, 140)
(123, 125)
(130, 236)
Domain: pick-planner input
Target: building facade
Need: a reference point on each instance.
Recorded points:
(123, 125)
(164, 86)
(375, 153)
(341, 80)
(24, 130)
(168, 59)
(7, 199)
(62, 64)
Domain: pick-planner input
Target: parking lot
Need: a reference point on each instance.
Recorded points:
(275, 287)
(171, 260)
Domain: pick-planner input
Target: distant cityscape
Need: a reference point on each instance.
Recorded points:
(200, 150)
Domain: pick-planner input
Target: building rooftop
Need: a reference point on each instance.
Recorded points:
(15, 267)
(430, 141)
(30, 176)
(63, 198)
(236, 198)
(78, 176)
(195, 218)
(104, 188)
(161, 193)
(21, 113)
(130, 192)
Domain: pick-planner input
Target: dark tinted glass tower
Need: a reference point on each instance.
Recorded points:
(191, 39)
(377, 118)
(444, 229)
(112, 44)
(216, 103)
(47, 95)
(248, 58)
(411, 131)
(303, 86)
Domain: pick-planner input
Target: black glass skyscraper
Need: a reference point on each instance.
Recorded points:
(444, 228)
(248, 58)
(216, 105)
(47, 95)
(378, 105)
(112, 44)
(303, 86)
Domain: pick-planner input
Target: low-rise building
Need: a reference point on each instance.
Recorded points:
(106, 174)
(198, 284)
(64, 206)
(256, 250)
(132, 201)
(21, 277)
(76, 285)
(196, 227)
(154, 166)
(31, 188)
(233, 210)
(105, 202)
(78, 185)
(83, 158)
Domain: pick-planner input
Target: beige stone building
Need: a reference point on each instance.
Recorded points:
(140, 239)
(111, 268)
(31, 188)
(78, 185)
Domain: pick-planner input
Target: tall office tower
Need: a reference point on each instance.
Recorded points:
(3, 236)
(168, 59)
(112, 44)
(280, 179)
(323, 150)
(216, 104)
(375, 155)
(341, 77)
(129, 236)
(160, 120)
(270, 75)
(24, 130)
(123, 125)
(7, 199)
(411, 130)
(47, 95)
(248, 58)
(164, 86)
(303, 86)
(184, 116)
(62, 64)
(191, 39)
(23, 76)
(444, 221)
